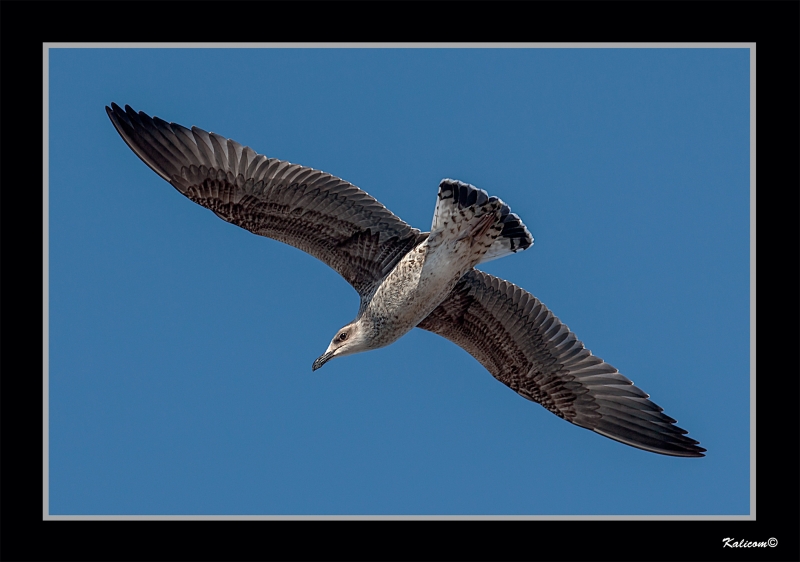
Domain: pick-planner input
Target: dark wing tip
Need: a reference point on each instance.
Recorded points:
(133, 130)
(685, 447)
(113, 112)
(614, 407)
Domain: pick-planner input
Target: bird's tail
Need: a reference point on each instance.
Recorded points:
(463, 210)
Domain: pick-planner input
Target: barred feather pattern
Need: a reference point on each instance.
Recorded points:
(514, 236)
(524, 346)
(321, 214)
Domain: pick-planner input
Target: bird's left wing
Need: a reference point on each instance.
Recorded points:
(527, 348)
(321, 214)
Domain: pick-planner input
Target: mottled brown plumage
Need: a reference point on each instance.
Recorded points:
(323, 215)
(524, 346)
(504, 327)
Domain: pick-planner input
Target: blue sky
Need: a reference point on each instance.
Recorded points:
(181, 346)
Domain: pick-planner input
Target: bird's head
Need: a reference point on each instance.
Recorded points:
(350, 339)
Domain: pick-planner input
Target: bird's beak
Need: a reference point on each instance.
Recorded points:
(322, 359)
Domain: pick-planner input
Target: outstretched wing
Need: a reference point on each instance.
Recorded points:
(527, 348)
(316, 212)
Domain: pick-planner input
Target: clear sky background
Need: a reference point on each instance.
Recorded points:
(181, 346)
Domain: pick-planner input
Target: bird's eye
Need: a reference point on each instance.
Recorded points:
(342, 336)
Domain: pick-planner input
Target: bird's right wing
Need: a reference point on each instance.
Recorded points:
(316, 212)
(521, 343)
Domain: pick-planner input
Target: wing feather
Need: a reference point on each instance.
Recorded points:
(524, 346)
(316, 212)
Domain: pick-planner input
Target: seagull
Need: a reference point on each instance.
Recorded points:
(407, 278)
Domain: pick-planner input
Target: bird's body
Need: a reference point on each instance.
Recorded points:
(408, 294)
(424, 277)
(407, 278)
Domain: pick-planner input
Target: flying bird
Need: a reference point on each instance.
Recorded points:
(407, 278)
